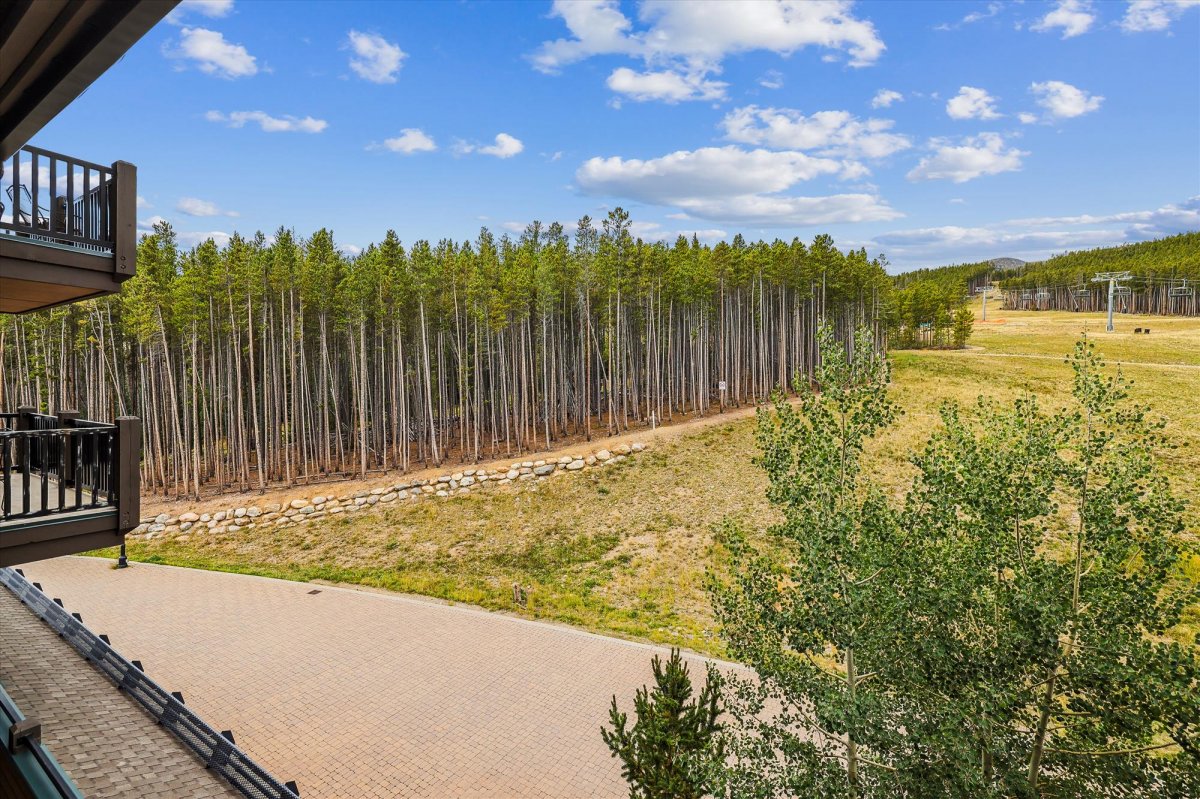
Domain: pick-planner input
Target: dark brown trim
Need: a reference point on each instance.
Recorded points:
(15, 249)
(110, 29)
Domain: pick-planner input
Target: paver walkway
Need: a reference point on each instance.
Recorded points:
(360, 694)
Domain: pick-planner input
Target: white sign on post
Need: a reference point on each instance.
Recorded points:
(721, 385)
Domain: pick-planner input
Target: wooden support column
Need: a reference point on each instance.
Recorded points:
(127, 474)
(123, 216)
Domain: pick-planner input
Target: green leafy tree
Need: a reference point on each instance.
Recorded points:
(673, 749)
(1003, 631)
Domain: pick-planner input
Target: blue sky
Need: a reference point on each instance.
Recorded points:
(930, 132)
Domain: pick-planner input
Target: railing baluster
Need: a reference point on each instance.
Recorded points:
(16, 189)
(54, 195)
(44, 441)
(105, 184)
(6, 500)
(33, 181)
(72, 228)
(87, 196)
(25, 456)
(80, 470)
(95, 468)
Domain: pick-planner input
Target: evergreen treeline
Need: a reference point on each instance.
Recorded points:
(926, 306)
(284, 360)
(1166, 278)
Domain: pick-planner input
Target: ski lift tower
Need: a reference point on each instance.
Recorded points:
(984, 291)
(1113, 279)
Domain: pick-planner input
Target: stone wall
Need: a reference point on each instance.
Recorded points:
(321, 506)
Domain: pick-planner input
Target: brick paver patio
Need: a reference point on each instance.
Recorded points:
(360, 694)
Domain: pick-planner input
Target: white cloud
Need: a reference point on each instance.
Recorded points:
(410, 140)
(142, 202)
(706, 33)
(975, 16)
(732, 185)
(196, 207)
(506, 146)
(376, 59)
(207, 8)
(973, 157)
(653, 231)
(189, 238)
(690, 40)
(1027, 118)
(832, 133)
(350, 249)
(1075, 17)
(972, 103)
(1154, 15)
(771, 79)
(1064, 101)
(666, 85)
(268, 123)
(885, 98)
(213, 55)
(1037, 238)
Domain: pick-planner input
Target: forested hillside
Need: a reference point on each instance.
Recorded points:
(284, 360)
(1166, 278)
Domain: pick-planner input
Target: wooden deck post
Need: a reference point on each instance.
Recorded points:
(127, 479)
(123, 218)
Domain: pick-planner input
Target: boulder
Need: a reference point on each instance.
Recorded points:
(467, 481)
(603, 455)
(189, 517)
(638, 446)
(456, 477)
(390, 497)
(274, 507)
(162, 518)
(254, 511)
(307, 509)
(575, 465)
(512, 474)
(298, 503)
(544, 469)
(622, 449)
(220, 516)
(442, 494)
(185, 526)
(373, 499)
(206, 517)
(565, 459)
(590, 460)
(157, 527)
(239, 513)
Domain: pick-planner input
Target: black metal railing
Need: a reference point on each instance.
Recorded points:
(62, 464)
(57, 198)
(217, 752)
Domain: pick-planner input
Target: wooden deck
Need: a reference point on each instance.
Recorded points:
(58, 532)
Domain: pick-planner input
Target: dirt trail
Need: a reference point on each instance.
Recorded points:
(686, 423)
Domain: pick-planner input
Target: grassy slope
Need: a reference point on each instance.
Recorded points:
(624, 550)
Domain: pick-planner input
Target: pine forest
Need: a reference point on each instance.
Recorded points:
(283, 360)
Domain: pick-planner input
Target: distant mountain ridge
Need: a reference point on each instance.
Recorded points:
(1007, 263)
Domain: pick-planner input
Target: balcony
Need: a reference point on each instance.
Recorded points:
(67, 484)
(68, 229)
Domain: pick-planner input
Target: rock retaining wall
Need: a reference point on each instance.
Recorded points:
(319, 506)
